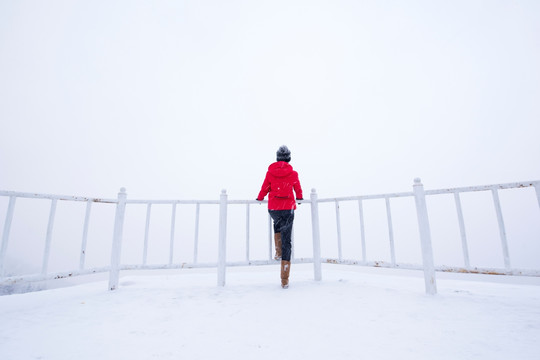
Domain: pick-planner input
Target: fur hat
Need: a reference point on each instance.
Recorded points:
(283, 154)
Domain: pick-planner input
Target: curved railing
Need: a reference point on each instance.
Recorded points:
(121, 202)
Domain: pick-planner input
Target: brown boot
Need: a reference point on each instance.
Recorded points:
(277, 240)
(285, 269)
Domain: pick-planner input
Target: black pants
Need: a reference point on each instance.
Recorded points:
(283, 223)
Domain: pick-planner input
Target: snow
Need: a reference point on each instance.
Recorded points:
(354, 313)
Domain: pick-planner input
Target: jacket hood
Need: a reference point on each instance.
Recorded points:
(280, 169)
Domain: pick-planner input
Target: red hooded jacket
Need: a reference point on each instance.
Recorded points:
(280, 181)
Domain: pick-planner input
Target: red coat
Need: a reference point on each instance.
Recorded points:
(280, 181)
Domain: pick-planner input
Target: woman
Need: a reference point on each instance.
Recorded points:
(280, 181)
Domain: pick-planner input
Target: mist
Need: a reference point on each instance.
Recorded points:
(181, 99)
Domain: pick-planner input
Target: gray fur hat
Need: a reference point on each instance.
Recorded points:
(283, 154)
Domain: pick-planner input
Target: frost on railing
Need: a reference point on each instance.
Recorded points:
(226, 219)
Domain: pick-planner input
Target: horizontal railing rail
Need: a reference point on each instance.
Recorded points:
(367, 197)
(514, 185)
(55, 197)
(120, 203)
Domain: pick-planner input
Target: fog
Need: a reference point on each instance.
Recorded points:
(180, 99)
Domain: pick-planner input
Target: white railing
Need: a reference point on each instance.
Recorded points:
(121, 202)
(45, 274)
(419, 194)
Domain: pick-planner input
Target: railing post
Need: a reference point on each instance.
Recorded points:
(362, 230)
(173, 225)
(48, 239)
(464, 246)
(146, 232)
(316, 235)
(390, 231)
(196, 240)
(425, 237)
(116, 252)
(338, 226)
(502, 230)
(5, 233)
(85, 234)
(270, 238)
(537, 189)
(247, 232)
(222, 249)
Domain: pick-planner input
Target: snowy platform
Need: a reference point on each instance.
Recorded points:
(354, 313)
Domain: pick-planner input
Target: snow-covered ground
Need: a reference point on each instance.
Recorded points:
(354, 313)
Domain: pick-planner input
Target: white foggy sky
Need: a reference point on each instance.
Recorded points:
(179, 99)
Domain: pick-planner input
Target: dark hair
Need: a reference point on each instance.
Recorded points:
(283, 154)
